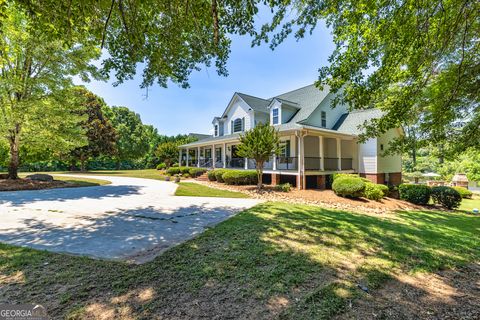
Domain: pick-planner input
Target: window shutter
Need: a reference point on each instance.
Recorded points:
(243, 124)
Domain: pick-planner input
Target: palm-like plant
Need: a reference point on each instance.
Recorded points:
(259, 143)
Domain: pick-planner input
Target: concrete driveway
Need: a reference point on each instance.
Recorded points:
(131, 219)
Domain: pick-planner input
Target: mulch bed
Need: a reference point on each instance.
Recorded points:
(324, 198)
(25, 184)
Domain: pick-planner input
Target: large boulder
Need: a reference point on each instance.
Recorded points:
(40, 177)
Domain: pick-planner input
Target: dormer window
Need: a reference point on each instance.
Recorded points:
(275, 116)
(237, 125)
(216, 130)
(324, 119)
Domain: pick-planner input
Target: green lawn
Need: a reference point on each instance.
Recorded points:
(78, 181)
(274, 260)
(469, 204)
(145, 173)
(193, 189)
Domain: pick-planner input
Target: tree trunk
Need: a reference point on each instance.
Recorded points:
(14, 141)
(82, 164)
(259, 175)
(117, 164)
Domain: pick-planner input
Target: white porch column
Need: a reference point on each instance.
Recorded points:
(224, 155)
(300, 162)
(339, 154)
(214, 156)
(322, 158)
(246, 163)
(198, 157)
(188, 157)
(274, 164)
(180, 157)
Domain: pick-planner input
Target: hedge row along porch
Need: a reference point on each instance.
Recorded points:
(318, 140)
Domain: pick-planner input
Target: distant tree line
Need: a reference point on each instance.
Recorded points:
(114, 137)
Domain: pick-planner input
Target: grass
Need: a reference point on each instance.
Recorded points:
(144, 173)
(193, 189)
(273, 260)
(469, 204)
(78, 181)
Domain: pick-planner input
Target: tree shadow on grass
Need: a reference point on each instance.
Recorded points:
(273, 260)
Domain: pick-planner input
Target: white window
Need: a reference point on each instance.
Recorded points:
(216, 130)
(275, 116)
(285, 145)
(324, 119)
(237, 125)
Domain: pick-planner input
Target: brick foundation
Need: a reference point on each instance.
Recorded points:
(374, 177)
(321, 182)
(275, 179)
(395, 178)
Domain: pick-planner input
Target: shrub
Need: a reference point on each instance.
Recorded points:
(447, 197)
(342, 175)
(161, 166)
(348, 186)
(185, 170)
(240, 177)
(385, 189)
(196, 172)
(174, 165)
(415, 193)
(173, 171)
(211, 175)
(284, 187)
(373, 191)
(219, 174)
(464, 192)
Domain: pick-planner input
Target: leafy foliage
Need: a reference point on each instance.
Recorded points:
(240, 177)
(211, 175)
(283, 187)
(219, 174)
(373, 191)
(38, 113)
(415, 193)
(100, 133)
(348, 186)
(464, 192)
(446, 196)
(259, 143)
(196, 172)
(132, 139)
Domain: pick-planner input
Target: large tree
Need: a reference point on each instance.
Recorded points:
(37, 108)
(132, 135)
(418, 61)
(100, 133)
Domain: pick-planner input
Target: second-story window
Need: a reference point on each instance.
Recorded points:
(237, 125)
(324, 119)
(275, 116)
(216, 130)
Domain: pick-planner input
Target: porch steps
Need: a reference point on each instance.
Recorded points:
(203, 177)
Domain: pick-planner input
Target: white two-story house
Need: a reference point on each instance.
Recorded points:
(318, 140)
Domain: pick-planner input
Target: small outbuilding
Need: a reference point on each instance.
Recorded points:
(460, 180)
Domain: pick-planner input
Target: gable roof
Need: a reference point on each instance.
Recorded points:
(257, 104)
(350, 123)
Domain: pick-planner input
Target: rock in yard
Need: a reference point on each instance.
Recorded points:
(40, 177)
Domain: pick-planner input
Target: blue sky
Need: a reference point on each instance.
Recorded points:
(256, 71)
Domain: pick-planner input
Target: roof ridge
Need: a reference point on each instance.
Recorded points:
(249, 95)
(313, 84)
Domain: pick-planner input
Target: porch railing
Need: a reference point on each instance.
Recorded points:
(330, 163)
(205, 163)
(347, 163)
(287, 163)
(236, 163)
(219, 164)
(312, 163)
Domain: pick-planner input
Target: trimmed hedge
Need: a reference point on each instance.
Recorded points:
(447, 197)
(177, 170)
(161, 166)
(349, 186)
(240, 177)
(415, 193)
(385, 189)
(211, 175)
(373, 191)
(196, 172)
(464, 192)
(219, 174)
